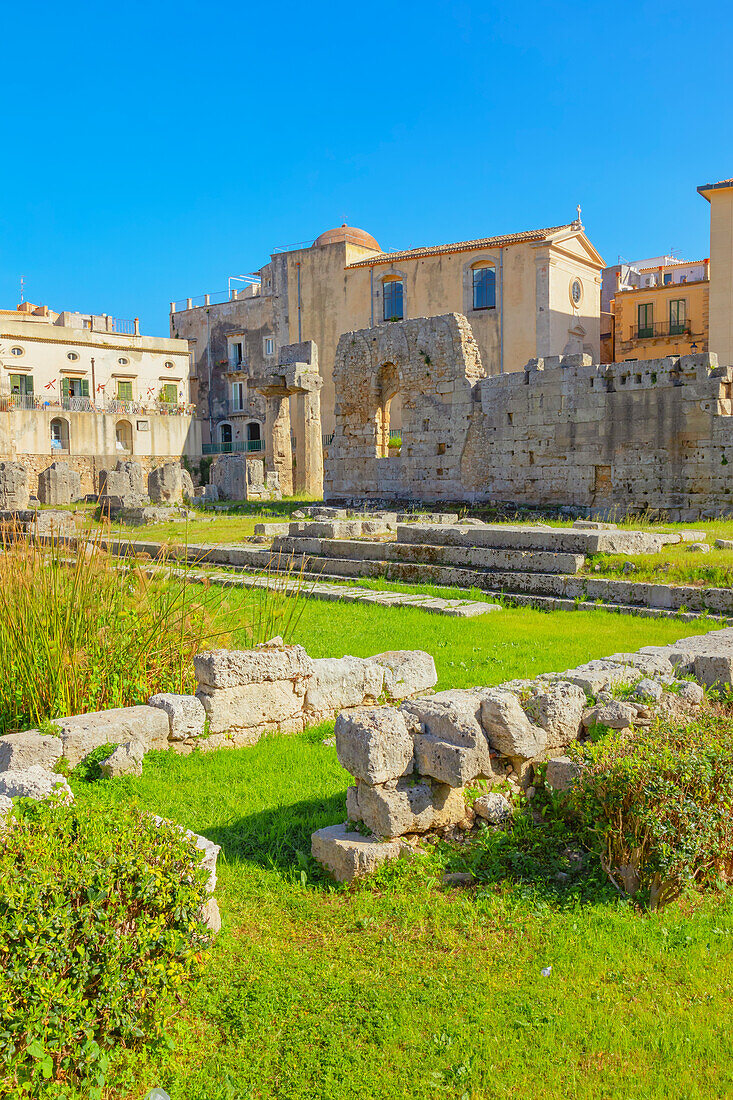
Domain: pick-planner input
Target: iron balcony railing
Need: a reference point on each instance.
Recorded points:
(248, 446)
(10, 402)
(661, 328)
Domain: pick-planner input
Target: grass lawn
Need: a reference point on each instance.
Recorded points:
(398, 987)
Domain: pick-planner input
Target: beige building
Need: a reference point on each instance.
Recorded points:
(526, 295)
(720, 197)
(91, 389)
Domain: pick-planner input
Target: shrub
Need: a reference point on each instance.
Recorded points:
(99, 926)
(657, 805)
(88, 631)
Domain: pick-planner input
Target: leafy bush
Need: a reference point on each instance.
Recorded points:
(657, 805)
(99, 926)
(87, 631)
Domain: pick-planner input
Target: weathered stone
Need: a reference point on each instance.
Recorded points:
(22, 750)
(402, 806)
(34, 782)
(691, 693)
(493, 808)
(508, 728)
(649, 690)
(168, 485)
(698, 548)
(127, 759)
(123, 487)
(340, 682)
(597, 675)
(561, 773)
(186, 714)
(257, 706)
(59, 484)
(374, 744)
(559, 711)
(51, 522)
(655, 666)
(615, 715)
(203, 844)
(714, 670)
(349, 855)
(6, 805)
(14, 486)
(211, 916)
(406, 672)
(226, 668)
(724, 544)
(81, 733)
(450, 743)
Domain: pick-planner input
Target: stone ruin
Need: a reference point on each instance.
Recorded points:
(123, 487)
(654, 434)
(14, 487)
(430, 764)
(59, 484)
(122, 493)
(237, 477)
(170, 484)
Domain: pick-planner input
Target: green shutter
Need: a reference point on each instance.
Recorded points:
(84, 388)
(64, 387)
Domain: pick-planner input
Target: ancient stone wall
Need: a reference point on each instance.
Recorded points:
(87, 467)
(654, 434)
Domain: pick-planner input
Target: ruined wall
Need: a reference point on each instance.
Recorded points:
(431, 365)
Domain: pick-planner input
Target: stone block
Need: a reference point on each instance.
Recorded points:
(493, 808)
(407, 672)
(81, 733)
(647, 690)
(616, 715)
(374, 744)
(349, 855)
(59, 484)
(257, 705)
(14, 486)
(22, 750)
(402, 806)
(34, 782)
(596, 676)
(167, 484)
(227, 668)
(127, 759)
(450, 743)
(561, 773)
(341, 682)
(559, 711)
(508, 728)
(714, 670)
(691, 693)
(186, 714)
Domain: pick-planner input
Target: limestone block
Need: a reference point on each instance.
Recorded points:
(340, 682)
(34, 782)
(81, 733)
(166, 484)
(226, 668)
(6, 805)
(374, 744)
(262, 705)
(50, 522)
(493, 808)
(402, 806)
(450, 743)
(655, 666)
(724, 544)
(561, 773)
(508, 728)
(22, 750)
(559, 711)
(127, 759)
(59, 484)
(714, 670)
(616, 715)
(691, 693)
(406, 672)
(14, 486)
(595, 676)
(189, 491)
(186, 714)
(648, 690)
(349, 855)
(211, 916)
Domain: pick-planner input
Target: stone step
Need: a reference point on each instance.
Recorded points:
(557, 539)
(523, 561)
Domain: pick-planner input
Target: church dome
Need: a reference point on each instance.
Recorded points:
(347, 233)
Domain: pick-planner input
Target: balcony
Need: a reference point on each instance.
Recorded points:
(248, 446)
(661, 329)
(18, 402)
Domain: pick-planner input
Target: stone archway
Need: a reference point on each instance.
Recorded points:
(388, 402)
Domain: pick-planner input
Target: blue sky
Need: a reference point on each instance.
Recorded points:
(151, 150)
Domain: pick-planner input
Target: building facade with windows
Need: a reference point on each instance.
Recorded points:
(658, 307)
(84, 387)
(526, 295)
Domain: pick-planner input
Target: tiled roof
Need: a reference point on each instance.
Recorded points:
(713, 186)
(464, 246)
(681, 263)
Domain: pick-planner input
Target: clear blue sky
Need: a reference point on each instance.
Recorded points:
(151, 150)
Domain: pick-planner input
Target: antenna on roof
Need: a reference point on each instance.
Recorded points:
(22, 288)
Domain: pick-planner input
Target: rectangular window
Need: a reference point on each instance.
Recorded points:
(393, 300)
(124, 391)
(269, 345)
(645, 318)
(21, 384)
(677, 317)
(236, 353)
(667, 278)
(237, 396)
(484, 288)
(169, 393)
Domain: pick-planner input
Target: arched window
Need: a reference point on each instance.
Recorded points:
(484, 287)
(392, 300)
(225, 437)
(59, 434)
(253, 434)
(123, 434)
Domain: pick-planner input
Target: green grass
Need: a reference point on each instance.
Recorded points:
(398, 987)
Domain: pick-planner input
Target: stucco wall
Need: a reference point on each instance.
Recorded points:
(28, 432)
(721, 273)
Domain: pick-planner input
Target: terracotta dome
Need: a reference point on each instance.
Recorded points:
(347, 233)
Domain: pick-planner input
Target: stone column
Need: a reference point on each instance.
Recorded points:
(312, 443)
(279, 454)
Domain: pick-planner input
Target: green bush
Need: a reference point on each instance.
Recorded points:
(99, 928)
(657, 806)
